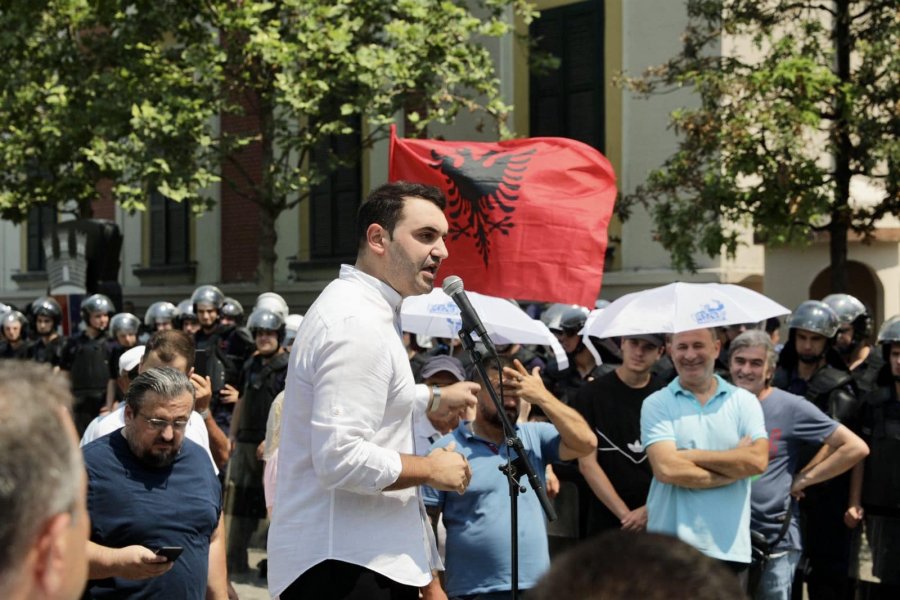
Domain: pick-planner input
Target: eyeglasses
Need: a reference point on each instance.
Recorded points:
(161, 424)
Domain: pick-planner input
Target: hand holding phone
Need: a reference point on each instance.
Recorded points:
(170, 552)
(201, 362)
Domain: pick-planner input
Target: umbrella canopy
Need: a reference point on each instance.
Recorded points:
(682, 307)
(436, 315)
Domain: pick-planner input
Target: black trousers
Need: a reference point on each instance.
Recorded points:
(337, 580)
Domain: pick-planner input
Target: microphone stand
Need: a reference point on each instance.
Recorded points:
(513, 469)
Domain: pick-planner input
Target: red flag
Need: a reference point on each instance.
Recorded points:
(528, 217)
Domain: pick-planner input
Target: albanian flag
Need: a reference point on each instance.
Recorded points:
(528, 218)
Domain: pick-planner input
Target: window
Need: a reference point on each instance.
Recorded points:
(41, 219)
(333, 203)
(568, 101)
(169, 233)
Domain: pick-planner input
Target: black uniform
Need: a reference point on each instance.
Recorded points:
(228, 348)
(87, 361)
(46, 352)
(263, 381)
(7, 351)
(826, 540)
(880, 428)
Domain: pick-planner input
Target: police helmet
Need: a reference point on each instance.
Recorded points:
(263, 319)
(890, 331)
(573, 319)
(160, 312)
(850, 309)
(186, 312)
(207, 295)
(232, 309)
(98, 303)
(814, 316)
(291, 325)
(553, 313)
(274, 302)
(124, 322)
(46, 306)
(12, 316)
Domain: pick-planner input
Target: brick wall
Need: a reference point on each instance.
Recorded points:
(240, 217)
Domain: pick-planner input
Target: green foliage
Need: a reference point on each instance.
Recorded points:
(129, 93)
(779, 133)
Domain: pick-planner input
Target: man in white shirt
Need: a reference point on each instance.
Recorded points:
(349, 520)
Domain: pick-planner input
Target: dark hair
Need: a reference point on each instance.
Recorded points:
(385, 204)
(490, 364)
(168, 344)
(620, 565)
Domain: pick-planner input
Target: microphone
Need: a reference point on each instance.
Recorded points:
(453, 287)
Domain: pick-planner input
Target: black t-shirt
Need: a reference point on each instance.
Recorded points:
(613, 411)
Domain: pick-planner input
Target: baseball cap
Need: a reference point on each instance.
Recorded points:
(436, 364)
(657, 339)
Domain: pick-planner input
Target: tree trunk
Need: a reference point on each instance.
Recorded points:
(840, 135)
(269, 206)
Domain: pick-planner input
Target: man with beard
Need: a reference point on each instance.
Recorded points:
(852, 341)
(149, 488)
(348, 519)
(477, 522)
(809, 366)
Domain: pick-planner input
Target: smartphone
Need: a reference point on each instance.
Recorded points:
(201, 362)
(170, 552)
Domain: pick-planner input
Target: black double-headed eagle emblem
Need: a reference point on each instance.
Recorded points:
(482, 192)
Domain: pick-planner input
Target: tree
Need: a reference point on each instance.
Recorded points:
(302, 70)
(94, 96)
(778, 135)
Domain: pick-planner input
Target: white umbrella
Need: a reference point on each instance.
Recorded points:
(682, 307)
(436, 315)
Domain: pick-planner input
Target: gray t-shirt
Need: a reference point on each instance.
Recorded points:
(792, 421)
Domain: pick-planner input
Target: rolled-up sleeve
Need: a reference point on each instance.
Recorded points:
(348, 409)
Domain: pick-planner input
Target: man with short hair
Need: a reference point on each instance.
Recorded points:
(150, 488)
(478, 559)
(618, 473)
(173, 348)
(46, 315)
(440, 371)
(348, 475)
(704, 438)
(44, 523)
(791, 422)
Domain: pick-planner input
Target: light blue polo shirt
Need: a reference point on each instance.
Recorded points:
(477, 522)
(716, 521)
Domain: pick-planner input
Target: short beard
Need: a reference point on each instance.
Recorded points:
(512, 414)
(809, 359)
(157, 460)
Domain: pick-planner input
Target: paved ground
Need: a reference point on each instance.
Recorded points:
(249, 586)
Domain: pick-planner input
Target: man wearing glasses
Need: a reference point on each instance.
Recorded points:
(149, 488)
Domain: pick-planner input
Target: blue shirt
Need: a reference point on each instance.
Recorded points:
(131, 503)
(716, 521)
(792, 422)
(477, 522)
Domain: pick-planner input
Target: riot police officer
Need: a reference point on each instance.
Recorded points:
(187, 320)
(15, 335)
(123, 334)
(263, 378)
(852, 342)
(232, 312)
(810, 366)
(160, 316)
(875, 488)
(86, 358)
(46, 315)
(227, 347)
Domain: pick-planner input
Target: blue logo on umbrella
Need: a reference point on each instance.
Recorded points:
(713, 312)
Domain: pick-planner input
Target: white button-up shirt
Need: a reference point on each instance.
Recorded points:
(347, 417)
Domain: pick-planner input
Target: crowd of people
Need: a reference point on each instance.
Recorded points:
(727, 462)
